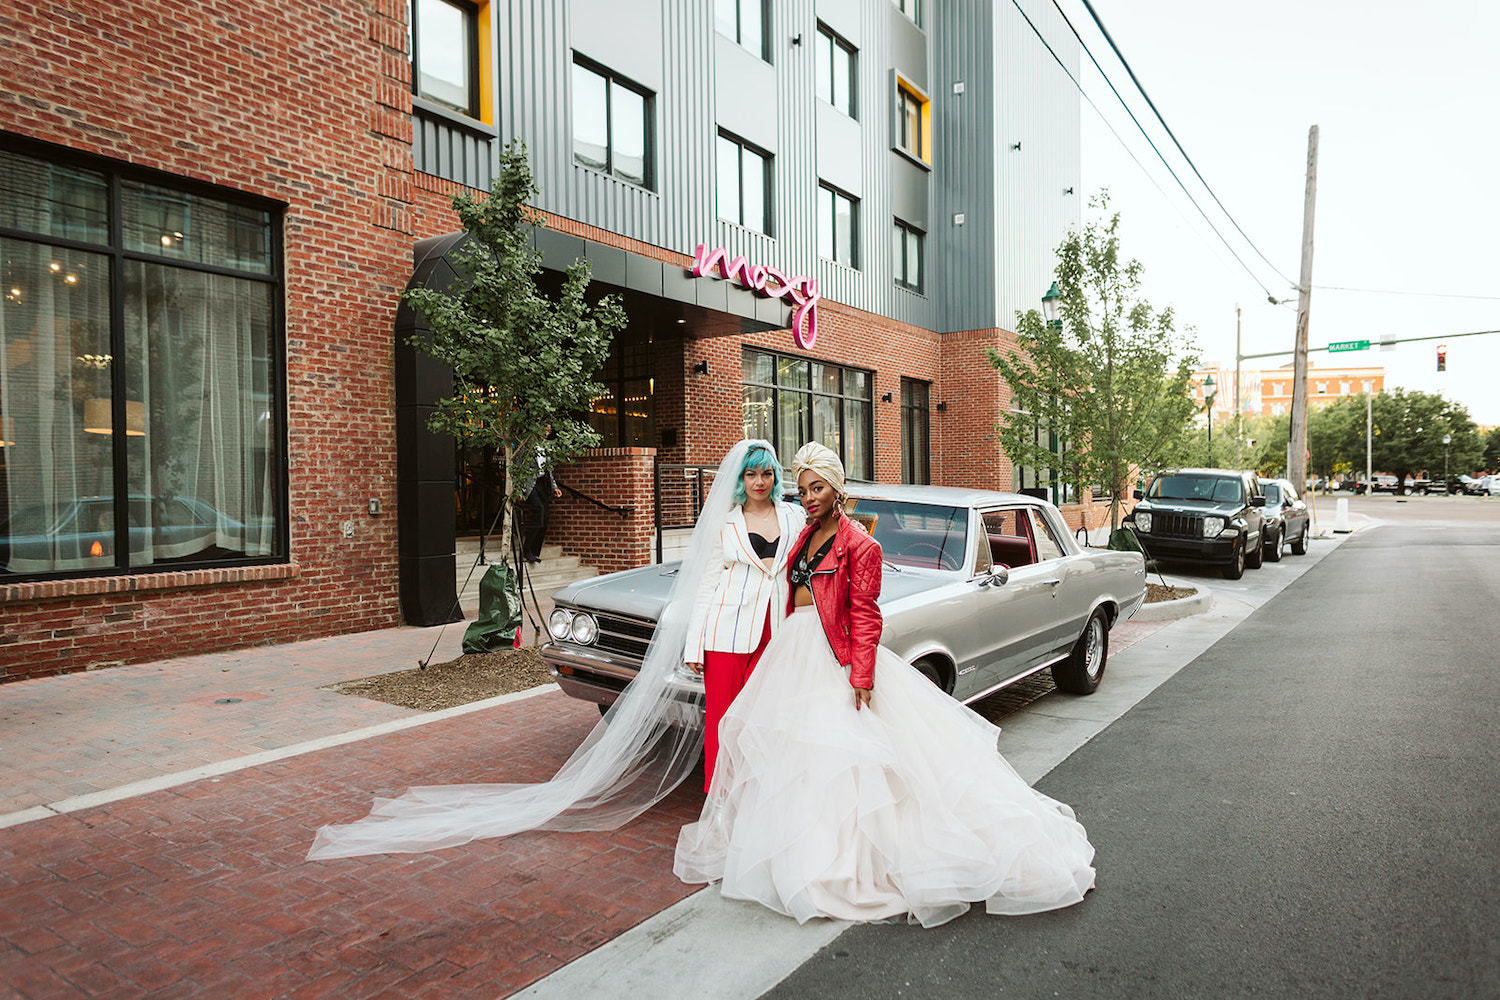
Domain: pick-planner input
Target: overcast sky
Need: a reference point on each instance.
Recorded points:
(1405, 97)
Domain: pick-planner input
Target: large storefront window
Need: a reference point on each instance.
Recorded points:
(790, 401)
(1048, 483)
(139, 405)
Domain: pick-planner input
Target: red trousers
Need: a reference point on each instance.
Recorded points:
(724, 674)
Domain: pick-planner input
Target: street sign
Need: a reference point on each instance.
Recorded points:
(1349, 345)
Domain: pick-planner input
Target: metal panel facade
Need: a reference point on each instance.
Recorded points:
(977, 273)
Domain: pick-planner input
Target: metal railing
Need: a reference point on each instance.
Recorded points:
(679, 491)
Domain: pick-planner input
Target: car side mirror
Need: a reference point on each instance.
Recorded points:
(999, 576)
(1257, 501)
(1140, 494)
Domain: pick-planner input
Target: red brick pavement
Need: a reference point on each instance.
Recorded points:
(202, 890)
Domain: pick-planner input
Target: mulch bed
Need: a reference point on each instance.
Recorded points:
(1155, 592)
(471, 677)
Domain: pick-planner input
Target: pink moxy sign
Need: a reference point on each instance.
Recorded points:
(767, 281)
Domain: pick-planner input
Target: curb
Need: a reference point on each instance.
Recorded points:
(1166, 611)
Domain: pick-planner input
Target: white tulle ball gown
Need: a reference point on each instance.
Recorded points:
(907, 807)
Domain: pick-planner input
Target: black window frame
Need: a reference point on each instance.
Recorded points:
(739, 19)
(117, 174)
(898, 266)
(767, 192)
(811, 392)
(612, 80)
(832, 222)
(476, 71)
(916, 427)
(827, 36)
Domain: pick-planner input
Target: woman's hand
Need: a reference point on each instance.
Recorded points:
(861, 698)
(696, 668)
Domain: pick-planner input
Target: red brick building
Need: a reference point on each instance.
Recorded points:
(211, 429)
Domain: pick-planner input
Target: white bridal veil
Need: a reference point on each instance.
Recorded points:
(641, 749)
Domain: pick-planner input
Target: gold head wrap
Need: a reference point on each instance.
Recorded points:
(822, 461)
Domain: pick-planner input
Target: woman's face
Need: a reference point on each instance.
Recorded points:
(759, 483)
(818, 498)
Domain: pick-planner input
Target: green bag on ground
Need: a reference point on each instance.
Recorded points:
(499, 611)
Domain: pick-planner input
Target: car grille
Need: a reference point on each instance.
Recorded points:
(623, 636)
(1176, 525)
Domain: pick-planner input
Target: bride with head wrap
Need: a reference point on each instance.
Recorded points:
(847, 785)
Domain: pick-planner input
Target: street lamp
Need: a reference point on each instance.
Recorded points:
(1447, 439)
(1049, 307)
(1208, 404)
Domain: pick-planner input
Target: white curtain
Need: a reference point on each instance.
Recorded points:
(198, 359)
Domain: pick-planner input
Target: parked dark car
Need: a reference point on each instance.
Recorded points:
(1288, 523)
(1210, 516)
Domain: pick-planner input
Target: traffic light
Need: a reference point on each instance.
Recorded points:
(1442, 357)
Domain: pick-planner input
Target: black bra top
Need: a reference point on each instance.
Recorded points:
(802, 569)
(763, 548)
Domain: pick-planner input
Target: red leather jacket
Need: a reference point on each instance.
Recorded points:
(844, 588)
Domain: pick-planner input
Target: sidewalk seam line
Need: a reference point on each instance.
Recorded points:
(89, 800)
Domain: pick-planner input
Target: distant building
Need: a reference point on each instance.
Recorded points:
(1268, 392)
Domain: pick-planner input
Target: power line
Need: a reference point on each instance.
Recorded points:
(1392, 291)
(1152, 104)
(1121, 141)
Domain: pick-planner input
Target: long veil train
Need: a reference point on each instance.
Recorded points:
(641, 749)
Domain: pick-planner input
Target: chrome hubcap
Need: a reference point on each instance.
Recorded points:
(1094, 648)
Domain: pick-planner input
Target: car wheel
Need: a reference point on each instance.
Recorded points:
(1299, 544)
(1082, 671)
(1236, 569)
(1273, 551)
(1254, 555)
(933, 672)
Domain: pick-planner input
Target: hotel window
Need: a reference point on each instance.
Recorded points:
(912, 9)
(745, 22)
(1344, 388)
(836, 71)
(141, 401)
(611, 124)
(838, 226)
(790, 401)
(916, 447)
(1322, 388)
(912, 122)
(444, 48)
(906, 250)
(744, 184)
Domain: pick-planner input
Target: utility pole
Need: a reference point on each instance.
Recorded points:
(1296, 459)
(1239, 411)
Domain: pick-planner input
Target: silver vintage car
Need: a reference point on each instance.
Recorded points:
(980, 590)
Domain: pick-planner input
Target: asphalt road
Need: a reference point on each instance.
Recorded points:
(1308, 809)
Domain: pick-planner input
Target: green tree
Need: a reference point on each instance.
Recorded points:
(521, 361)
(1406, 434)
(1110, 380)
(1490, 457)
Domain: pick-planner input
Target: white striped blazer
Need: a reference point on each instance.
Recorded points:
(737, 588)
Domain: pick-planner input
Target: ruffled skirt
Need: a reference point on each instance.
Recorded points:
(819, 810)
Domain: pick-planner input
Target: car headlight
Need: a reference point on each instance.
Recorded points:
(560, 623)
(584, 629)
(1143, 520)
(1212, 526)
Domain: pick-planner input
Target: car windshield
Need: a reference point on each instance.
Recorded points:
(930, 536)
(1273, 493)
(1210, 489)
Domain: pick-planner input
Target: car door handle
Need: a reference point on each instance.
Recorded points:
(1053, 584)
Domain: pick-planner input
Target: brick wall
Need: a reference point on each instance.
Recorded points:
(307, 104)
(618, 477)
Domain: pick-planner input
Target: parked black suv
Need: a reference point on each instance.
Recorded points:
(1203, 515)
